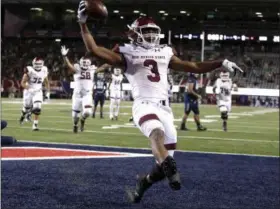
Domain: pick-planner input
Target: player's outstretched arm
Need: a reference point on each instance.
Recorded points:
(107, 55)
(201, 67)
(47, 85)
(64, 52)
(24, 80)
(102, 68)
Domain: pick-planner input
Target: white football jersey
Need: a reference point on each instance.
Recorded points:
(84, 78)
(147, 70)
(116, 82)
(36, 78)
(223, 89)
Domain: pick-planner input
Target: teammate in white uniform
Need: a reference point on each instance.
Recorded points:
(33, 78)
(115, 87)
(222, 89)
(83, 73)
(145, 64)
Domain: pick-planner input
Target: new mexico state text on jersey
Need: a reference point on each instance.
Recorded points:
(147, 70)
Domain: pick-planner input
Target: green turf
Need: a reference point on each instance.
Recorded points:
(255, 131)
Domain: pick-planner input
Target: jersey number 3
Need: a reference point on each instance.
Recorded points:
(152, 63)
(85, 75)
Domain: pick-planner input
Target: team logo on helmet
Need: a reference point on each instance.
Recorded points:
(37, 63)
(145, 32)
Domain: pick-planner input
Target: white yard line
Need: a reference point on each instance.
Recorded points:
(134, 148)
(135, 134)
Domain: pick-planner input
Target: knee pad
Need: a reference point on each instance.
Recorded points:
(36, 111)
(75, 113)
(223, 109)
(87, 112)
(224, 115)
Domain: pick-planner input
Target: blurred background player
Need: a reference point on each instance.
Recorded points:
(83, 73)
(191, 98)
(115, 87)
(32, 82)
(222, 89)
(100, 87)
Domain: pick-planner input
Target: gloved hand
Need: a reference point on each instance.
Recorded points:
(82, 16)
(64, 50)
(231, 66)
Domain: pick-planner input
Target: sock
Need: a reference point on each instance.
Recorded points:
(36, 122)
(76, 120)
(197, 124)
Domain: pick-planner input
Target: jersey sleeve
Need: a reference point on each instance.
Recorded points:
(77, 67)
(28, 71)
(126, 56)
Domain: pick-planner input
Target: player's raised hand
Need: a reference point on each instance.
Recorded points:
(81, 13)
(231, 66)
(64, 50)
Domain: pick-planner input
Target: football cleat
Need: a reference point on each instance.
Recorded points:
(183, 127)
(225, 126)
(201, 128)
(82, 125)
(35, 127)
(21, 120)
(116, 117)
(75, 129)
(142, 185)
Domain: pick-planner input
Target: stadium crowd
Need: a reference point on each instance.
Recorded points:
(261, 64)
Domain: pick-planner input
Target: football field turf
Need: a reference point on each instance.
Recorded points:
(251, 130)
(46, 170)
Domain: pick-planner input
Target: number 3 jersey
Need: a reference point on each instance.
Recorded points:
(36, 78)
(146, 70)
(223, 89)
(83, 78)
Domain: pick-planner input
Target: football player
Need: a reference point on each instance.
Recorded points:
(145, 64)
(191, 100)
(83, 73)
(32, 82)
(222, 89)
(115, 87)
(100, 87)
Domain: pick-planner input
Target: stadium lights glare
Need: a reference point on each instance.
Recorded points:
(142, 14)
(276, 39)
(135, 11)
(278, 13)
(36, 9)
(70, 10)
(161, 12)
(121, 17)
(262, 38)
(243, 38)
(57, 40)
(183, 12)
(116, 11)
(258, 13)
(165, 14)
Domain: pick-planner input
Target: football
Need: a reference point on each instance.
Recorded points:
(96, 9)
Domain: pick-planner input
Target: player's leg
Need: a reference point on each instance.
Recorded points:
(117, 108)
(96, 100)
(153, 128)
(27, 105)
(224, 116)
(102, 101)
(36, 109)
(87, 109)
(76, 110)
(186, 114)
(112, 104)
(195, 109)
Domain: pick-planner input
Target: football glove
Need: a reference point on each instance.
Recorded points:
(231, 66)
(82, 16)
(64, 51)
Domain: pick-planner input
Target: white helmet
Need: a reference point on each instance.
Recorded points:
(144, 32)
(38, 63)
(85, 63)
(117, 71)
(224, 75)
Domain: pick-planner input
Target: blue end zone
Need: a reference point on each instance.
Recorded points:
(209, 182)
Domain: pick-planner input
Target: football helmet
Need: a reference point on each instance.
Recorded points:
(85, 63)
(117, 71)
(37, 63)
(224, 75)
(145, 32)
